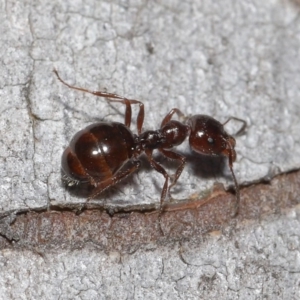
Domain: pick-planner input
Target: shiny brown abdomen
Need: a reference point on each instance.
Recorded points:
(98, 151)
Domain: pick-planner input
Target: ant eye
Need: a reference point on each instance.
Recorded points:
(210, 140)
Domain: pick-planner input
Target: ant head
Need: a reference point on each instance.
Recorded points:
(207, 136)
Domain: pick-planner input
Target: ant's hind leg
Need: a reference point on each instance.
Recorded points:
(113, 98)
(103, 185)
(161, 170)
(174, 156)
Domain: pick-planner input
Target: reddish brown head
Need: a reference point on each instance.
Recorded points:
(208, 137)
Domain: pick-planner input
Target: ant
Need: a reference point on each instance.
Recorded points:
(104, 153)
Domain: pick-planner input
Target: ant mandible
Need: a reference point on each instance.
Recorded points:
(104, 153)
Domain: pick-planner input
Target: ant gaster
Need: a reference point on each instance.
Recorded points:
(104, 153)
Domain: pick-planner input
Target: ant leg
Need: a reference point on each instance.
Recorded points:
(237, 188)
(237, 193)
(161, 170)
(114, 98)
(103, 185)
(175, 156)
(169, 116)
(128, 103)
(242, 129)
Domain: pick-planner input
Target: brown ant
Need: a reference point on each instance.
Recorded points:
(104, 153)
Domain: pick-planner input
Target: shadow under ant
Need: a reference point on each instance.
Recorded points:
(201, 166)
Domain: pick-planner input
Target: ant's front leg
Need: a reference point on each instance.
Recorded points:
(242, 129)
(169, 116)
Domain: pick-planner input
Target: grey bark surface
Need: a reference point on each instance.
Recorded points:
(221, 59)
